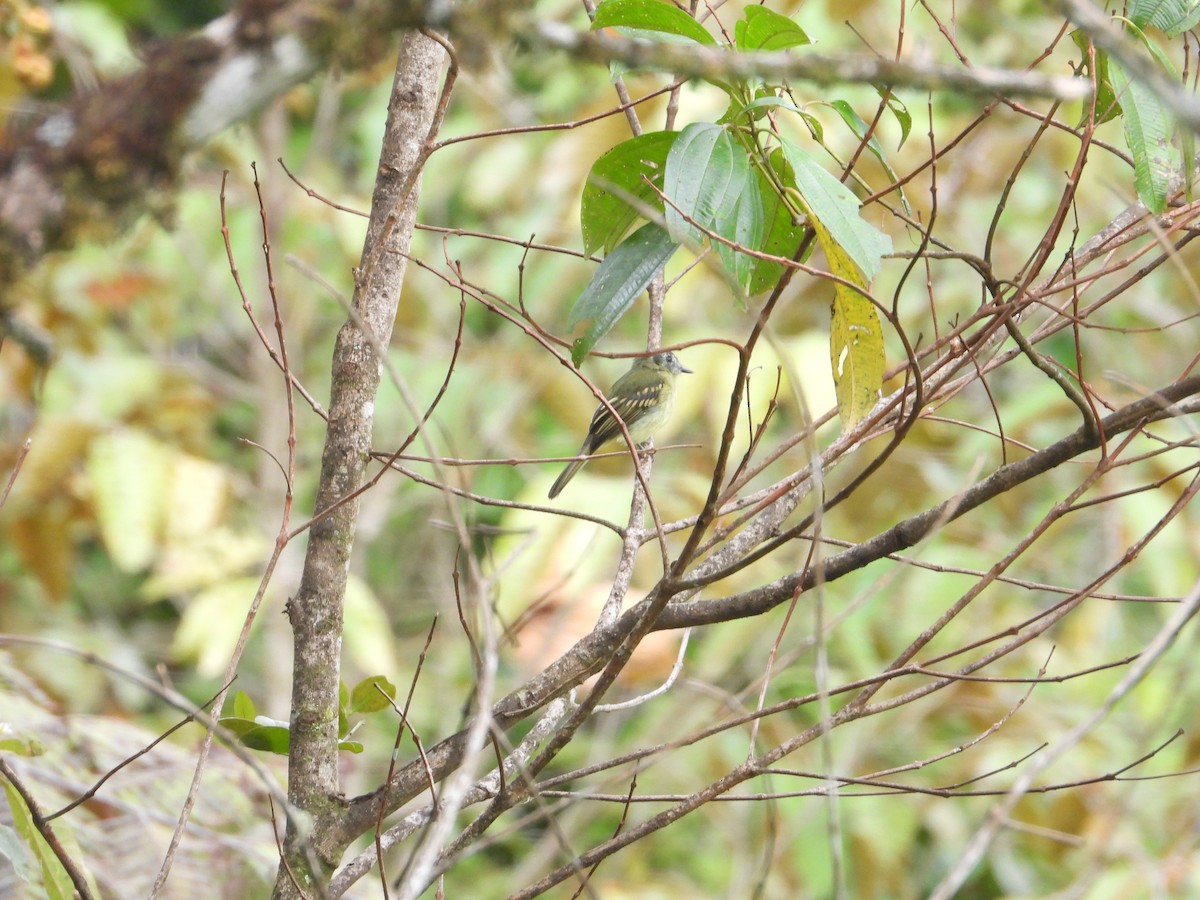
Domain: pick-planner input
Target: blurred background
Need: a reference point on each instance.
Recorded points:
(150, 498)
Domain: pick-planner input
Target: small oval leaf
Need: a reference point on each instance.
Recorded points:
(372, 694)
(765, 29)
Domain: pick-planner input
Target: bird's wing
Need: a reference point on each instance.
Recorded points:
(630, 407)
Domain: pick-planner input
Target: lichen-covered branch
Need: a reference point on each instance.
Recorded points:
(694, 61)
(316, 610)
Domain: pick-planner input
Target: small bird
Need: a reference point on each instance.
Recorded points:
(643, 397)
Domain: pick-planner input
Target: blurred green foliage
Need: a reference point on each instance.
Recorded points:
(151, 496)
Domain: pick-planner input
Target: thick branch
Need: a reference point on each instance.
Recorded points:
(911, 531)
(316, 611)
(714, 63)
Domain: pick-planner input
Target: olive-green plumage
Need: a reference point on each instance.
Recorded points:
(643, 397)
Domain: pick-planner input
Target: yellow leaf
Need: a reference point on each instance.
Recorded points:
(211, 623)
(57, 444)
(128, 471)
(855, 337)
(197, 495)
(192, 563)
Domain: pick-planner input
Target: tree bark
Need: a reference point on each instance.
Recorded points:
(316, 610)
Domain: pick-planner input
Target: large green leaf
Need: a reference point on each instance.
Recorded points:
(633, 168)
(618, 281)
(705, 171)
(16, 854)
(372, 694)
(854, 251)
(710, 186)
(1107, 105)
(1172, 17)
(834, 205)
(258, 736)
(741, 221)
(1148, 128)
(782, 229)
(856, 354)
(651, 15)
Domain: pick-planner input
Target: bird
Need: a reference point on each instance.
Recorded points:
(643, 397)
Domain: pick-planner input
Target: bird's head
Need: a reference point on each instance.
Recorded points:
(665, 362)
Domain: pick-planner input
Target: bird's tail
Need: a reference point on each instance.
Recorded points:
(567, 474)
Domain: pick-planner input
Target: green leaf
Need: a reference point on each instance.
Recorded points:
(651, 15)
(350, 746)
(782, 228)
(1172, 17)
(22, 746)
(237, 725)
(1107, 106)
(855, 352)
(835, 207)
(815, 128)
(859, 127)
(709, 182)
(13, 849)
(1169, 155)
(854, 250)
(56, 883)
(742, 223)
(632, 168)
(1148, 128)
(366, 697)
(898, 110)
(704, 165)
(855, 337)
(257, 736)
(618, 281)
(243, 706)
(764, 29)
(268, 738)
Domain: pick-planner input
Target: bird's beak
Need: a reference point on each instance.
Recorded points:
(683, 368)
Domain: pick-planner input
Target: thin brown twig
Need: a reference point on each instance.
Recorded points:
(403, 716)
(281, 539)
(16, 469)
(95, 788)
